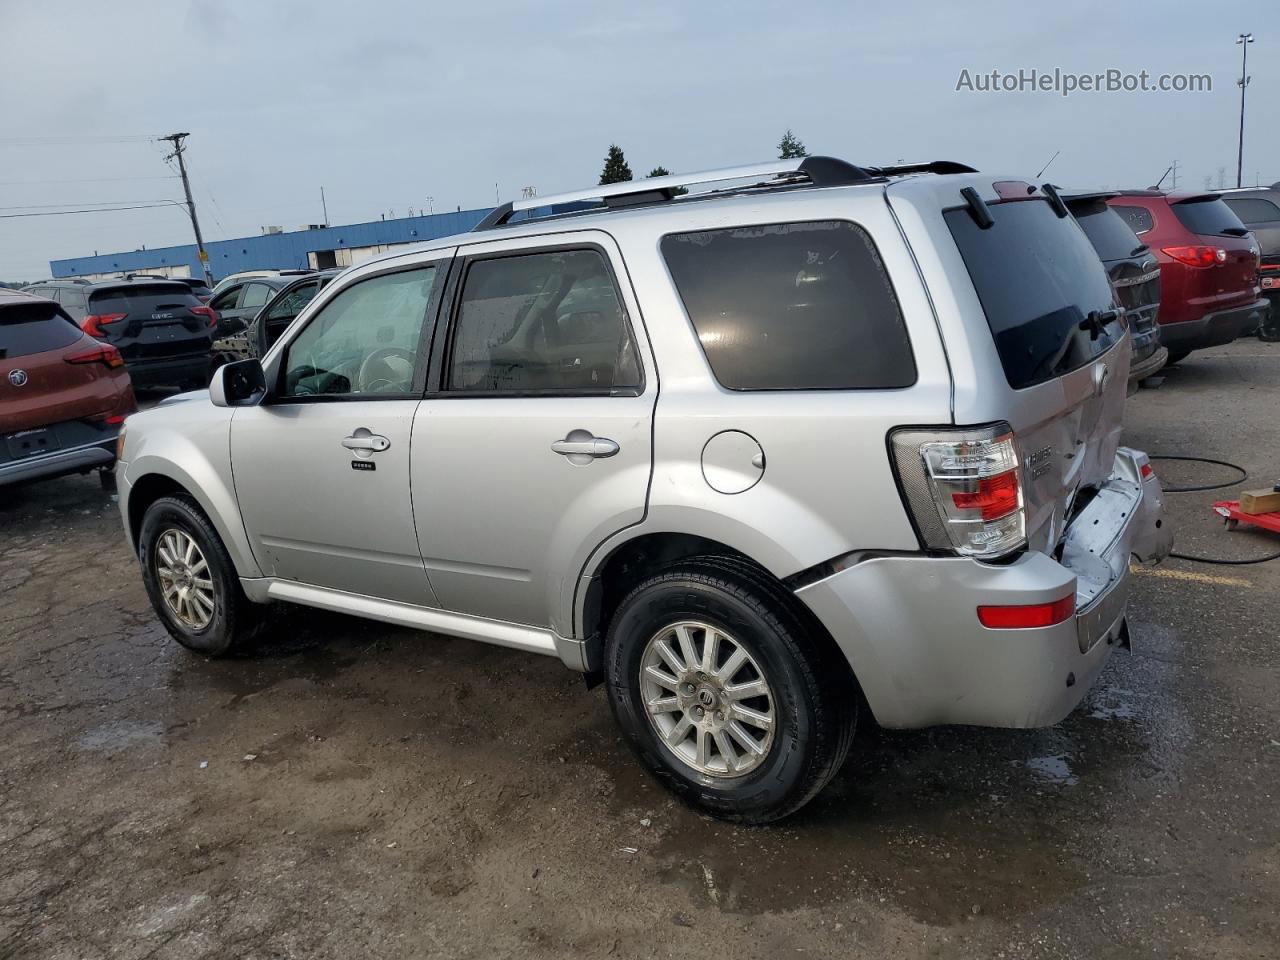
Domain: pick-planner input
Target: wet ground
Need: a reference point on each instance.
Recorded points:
(355, 790)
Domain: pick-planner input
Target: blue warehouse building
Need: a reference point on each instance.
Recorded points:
(317, 247)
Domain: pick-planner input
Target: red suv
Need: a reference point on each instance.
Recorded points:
(1208, 266)
(63, 395)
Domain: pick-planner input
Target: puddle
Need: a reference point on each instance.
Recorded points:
(1113, 703)
(120, 734)
(1053, 769)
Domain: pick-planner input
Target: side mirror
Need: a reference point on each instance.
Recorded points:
(239, 384)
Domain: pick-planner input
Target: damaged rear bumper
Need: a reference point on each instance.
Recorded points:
(909, 627)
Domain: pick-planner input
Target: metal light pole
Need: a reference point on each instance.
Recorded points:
(1244, 40)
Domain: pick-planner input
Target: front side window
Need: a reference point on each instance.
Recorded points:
(365, 341)
(227, 299)
(255, 295)
(542, 323)
(792, 306)
(291, 304)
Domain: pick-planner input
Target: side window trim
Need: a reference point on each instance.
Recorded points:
(425, 337)
(442, 352)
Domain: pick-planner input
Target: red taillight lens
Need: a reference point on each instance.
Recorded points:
(104, 353)
(1030, 615)
(995, 497)
(1197, 256)
(1146, 471)
(207, 312)
(93, 324)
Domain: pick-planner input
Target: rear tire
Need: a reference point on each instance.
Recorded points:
(810, 705)
(191, 581)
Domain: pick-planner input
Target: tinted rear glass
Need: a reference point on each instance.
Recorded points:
(1038, 278)
(34, 328)
(1208, 218)
(792, 306)
(1106, 230)
(1253, 209)
(141, 298)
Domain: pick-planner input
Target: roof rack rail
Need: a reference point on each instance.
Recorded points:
(819, 171)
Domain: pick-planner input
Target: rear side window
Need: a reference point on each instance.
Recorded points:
(1038, 279)
(141, 299)
(792, 306)
(542, 323)
(1107, 231)
(1253, 209)
(1209, 218)
(1138, 218)
(34, 328)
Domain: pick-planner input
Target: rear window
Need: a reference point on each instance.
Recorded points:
(1106, 230)
(792, 306)
(141, 298)
(34, 328)
(1038, 278)
(1139, 219)
(1253, 209)
(1208, 218)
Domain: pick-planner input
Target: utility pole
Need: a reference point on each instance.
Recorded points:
(1244, 40)
(324, 206)
(1173, 170)
(178, 149)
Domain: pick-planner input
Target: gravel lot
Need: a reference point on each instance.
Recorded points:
(355, 790)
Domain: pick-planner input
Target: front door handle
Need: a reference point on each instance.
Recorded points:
(580, 447)
(362, 439)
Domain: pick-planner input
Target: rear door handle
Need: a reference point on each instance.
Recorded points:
(589, 447)
(363, 440)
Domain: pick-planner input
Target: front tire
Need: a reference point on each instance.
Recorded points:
(191, 581)
(724, 692)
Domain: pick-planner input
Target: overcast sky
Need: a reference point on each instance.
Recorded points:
(386, 103)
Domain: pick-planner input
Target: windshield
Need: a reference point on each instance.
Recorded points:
(1043, 290)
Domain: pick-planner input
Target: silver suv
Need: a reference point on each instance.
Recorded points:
(815, 438)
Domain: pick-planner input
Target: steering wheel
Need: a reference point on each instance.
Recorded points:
(387, 369)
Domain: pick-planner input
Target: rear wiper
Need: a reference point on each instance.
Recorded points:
(1095, 320)
(1141, 248)
(1234, 232)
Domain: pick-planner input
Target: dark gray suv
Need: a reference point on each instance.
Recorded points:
(159, 326)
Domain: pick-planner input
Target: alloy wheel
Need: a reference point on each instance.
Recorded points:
(708, 699)
(185, 580)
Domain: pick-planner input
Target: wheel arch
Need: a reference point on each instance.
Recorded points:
(624, 565)
(149, 481)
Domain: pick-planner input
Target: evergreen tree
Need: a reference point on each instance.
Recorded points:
(790, 146)
(615, 166)
(664, 172)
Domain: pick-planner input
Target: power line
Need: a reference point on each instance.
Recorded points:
(64, 141)
(24, 183)
(86, 203)
(62, 213)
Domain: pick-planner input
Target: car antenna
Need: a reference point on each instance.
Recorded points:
(1162, 176)
(1046, 166)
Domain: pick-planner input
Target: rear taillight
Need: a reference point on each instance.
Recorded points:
(963, 488)
(94, 322)
(103, 353)
(1025, 616)
(1197, 256)
(207, 312)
